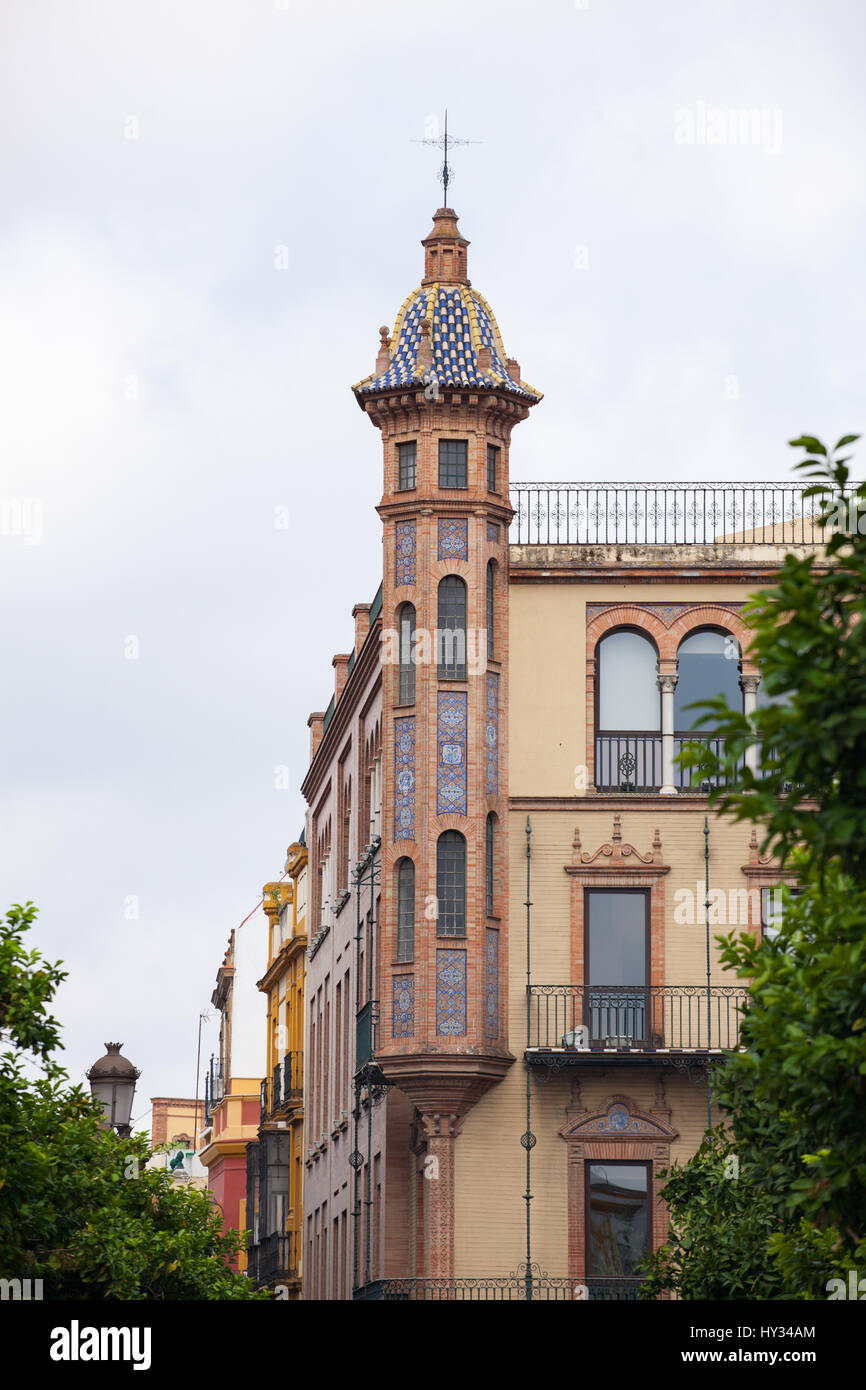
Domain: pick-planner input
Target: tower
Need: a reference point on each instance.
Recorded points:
(445, 397)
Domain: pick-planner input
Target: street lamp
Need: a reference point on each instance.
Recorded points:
(112, 1082)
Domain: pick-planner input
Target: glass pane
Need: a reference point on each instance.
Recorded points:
(451, 884)
(628, 693)
(617, 939)
(617, 1235)
(708, 665)
(452, 462)
(451, 635)
(405, 910)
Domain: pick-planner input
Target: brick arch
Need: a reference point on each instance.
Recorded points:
(710, 615)
(625, 615)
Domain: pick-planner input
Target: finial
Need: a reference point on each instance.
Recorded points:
(383, 358)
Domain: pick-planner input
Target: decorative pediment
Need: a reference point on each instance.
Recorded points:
(620, 1119)
(614, 855)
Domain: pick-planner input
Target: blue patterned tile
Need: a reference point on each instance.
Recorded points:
(451, 993)
(491, 734)
(461, 324)
(491, 981)
(404, 778)
(404, 1006)
(405, 553)
(451, 730)
(492, 531)
(453, 538)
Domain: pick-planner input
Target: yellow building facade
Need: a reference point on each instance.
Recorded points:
(275, 1161)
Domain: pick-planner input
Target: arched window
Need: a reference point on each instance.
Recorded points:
(489, 846)
(451, 635)
(708, 664)
(491, 605)
(406, 629)
(628, 746)
(451, 884)
(405, 910)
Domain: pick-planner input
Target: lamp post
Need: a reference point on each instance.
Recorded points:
(112, 1082)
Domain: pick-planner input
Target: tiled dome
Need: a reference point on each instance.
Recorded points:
(463, 346)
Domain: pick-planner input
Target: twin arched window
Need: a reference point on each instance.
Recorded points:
(628, 742)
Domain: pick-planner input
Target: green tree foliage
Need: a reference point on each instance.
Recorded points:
(78, 1208)
(774, 1203)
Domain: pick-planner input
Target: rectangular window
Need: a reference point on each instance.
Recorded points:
(452, 462)
(407, 465)
(492, 462)
(617, 945)
(773, 910)
(617, 1219)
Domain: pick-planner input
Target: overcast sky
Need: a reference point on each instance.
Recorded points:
(207, 211)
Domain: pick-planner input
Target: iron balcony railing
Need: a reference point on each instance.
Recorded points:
(506, 1289)
(628, 762)
(652, 513)
(285, 1086)
(625, 1018)
(632, 762)
(214, 1088)
(274, 1259)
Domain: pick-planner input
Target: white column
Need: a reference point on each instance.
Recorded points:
(749, 686)
(666, 685)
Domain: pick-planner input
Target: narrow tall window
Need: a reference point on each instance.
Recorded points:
(451, 634)
(451, 884)
(491, 606)
(492, 462)
(489, 834)
(406, 625)
(405, 910)
(407, 465)
(452, 462)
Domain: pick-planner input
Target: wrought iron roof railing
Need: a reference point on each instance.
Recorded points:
(653, 513)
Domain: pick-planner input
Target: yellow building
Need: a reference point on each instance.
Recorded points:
(233, 1081)
(275, 1160)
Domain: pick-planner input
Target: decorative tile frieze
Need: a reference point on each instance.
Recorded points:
(405, 553)
(404, 778)
(403, 1025)
(451, 993)
(453, 538)
(451, 727)
(491, 734)
(491, 981)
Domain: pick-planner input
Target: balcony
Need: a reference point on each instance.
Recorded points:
(570, 1024)
(506, 1289)
(711, 513)
(274, 1260)
(284, 1090)
(366, 1023)
(214, 1088)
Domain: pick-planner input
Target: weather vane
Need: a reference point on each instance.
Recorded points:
(444, 142)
